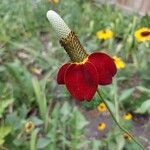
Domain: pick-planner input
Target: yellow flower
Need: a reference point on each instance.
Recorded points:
(104, 34)
(127, 116)
(119, 62)
(127, 136)
(101, 107)
(101, 126)
(29, 126)
(54, 1)
(142, 34)
(36, 71)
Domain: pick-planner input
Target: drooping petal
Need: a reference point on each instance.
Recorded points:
(81, 81)
(61, 73)
(105, 66)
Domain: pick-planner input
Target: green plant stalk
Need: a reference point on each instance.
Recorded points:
(135, 61)
(116, 107)
(33, 139)
(117, 123)
(110, 43)
(115, 100)
(74, 135)
(133, 24)
(41, 100)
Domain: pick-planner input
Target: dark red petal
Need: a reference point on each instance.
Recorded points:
(81, 81)
(105, 66)
(61, 73)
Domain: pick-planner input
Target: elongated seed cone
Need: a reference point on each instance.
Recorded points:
(73, 47)
(67, 38)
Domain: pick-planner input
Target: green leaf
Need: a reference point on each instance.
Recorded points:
(111, 106)
(65, 111)
(14, 121)
(145, 107)
(126, 94)
(18, 142)
(143, 89)
(23, 111)
(33, 139)
(4, 131)
(21, 79)
(120, 142)
(96, 144)
(81, 121)
(2, 141)
(4, 104)
(92, 104)
(41, 100)
(42, 143)
(37, 121)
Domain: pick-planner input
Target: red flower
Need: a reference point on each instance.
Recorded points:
(82, 79)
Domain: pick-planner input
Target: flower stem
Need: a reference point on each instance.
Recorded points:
(117, 123)
(115, 100)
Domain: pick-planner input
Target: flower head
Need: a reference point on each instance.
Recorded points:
(36, 71)
(127, 116)
(142, 34)
(85, 72)
(29, 126)
(101, 107)
(127, 136)
(104, 34)
(101, 126)
(119, 62)
(54, 1)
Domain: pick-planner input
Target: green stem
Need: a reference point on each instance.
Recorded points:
(115, 100)
(122, 128)
(33, 139)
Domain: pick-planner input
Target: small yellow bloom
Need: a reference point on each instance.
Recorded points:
(101, 107)
(119, 62)
(54, 1)
(29, 126)
(104, 34)
(36, 71)
(101, 126)
(127, 136)
(127, 116)
(142, 34)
